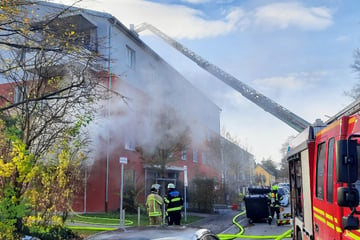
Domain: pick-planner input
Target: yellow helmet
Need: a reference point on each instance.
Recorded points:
(275, 187)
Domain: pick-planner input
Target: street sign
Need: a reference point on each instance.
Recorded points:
(123, 160)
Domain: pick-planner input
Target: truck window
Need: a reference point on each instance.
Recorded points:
(320, 168)
(330, 168)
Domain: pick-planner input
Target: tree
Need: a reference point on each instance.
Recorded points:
(354, 93)
(284, 164)
(168, 144)
(47, 102)
(270, 166)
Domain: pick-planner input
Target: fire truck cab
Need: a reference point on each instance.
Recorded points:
(324, 181)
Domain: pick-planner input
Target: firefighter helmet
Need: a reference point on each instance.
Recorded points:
(171, 186)
(155, 186)
(275, 187)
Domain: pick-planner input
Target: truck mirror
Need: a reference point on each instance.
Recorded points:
(347, 197)
(346, 161)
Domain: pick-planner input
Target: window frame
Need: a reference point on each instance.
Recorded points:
(183, 154)
(330, 170)
(320, 172)
(195, 156)
(130, 57)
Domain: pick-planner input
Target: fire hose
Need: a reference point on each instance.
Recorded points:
(224, 236)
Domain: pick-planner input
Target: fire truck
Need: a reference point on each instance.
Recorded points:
(324, 180)
(323, 165)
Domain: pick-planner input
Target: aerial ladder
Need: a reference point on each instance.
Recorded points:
(251, 94)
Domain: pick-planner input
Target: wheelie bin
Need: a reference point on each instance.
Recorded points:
(256, 204)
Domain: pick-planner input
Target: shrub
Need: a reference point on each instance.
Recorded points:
(202, 194)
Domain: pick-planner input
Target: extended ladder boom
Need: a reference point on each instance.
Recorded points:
(259, 99)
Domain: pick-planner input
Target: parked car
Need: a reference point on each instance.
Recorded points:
(156, 233)
(284, 185)
(285, 196)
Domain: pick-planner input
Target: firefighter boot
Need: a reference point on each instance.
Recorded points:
(269, 220)
(283, 222)
(287, 215)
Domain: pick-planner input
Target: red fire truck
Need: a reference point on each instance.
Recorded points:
(324, 181)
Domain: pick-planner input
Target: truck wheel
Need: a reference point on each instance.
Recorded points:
(298, 235)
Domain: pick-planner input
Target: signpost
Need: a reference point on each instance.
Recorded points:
(123, 160)
(185, 185)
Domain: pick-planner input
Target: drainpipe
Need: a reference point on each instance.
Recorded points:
(85, 190)
(108, 115)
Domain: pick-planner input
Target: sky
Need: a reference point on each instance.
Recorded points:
(297, 53)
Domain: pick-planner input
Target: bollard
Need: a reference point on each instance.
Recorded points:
(123, 220)
(138, 216)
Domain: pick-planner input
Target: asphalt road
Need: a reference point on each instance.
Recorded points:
(221, 223)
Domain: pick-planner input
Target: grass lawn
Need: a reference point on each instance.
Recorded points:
(112, 221)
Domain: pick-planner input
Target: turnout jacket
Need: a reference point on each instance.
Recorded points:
(274, 198)
(153, 203)
(174, 201)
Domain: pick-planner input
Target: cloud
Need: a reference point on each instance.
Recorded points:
(181, 21)
(343, 38)
(287, 82)
(295, 81)
(174, 19)
(195, 1)
(288, 15)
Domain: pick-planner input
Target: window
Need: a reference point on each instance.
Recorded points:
(19, 93)
(320, 168)
(130, 177)
(130, 54)
(195, 157)
(87, 39)
(130, 144)
(203, 156)
(77, 30)
(183, 154)
(208, 136)
(330, 168)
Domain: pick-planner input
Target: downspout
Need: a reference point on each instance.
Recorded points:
(85, 190)
(108, 115)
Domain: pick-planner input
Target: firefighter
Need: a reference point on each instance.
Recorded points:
(274, 203)
(154, 204)
(174, 203)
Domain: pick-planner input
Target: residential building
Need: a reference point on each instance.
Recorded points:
(151, 85)
(237, 169)
(143, 87)
(263, 176)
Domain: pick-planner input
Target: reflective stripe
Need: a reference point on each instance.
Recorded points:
(321, 219)
(151, 198)
(175, 199)
(154, 214)
(319, 211)
(174, 209)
